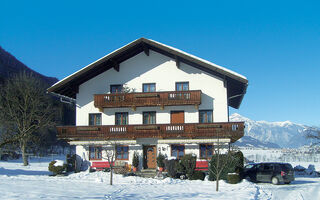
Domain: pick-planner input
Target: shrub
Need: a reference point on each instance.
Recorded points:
(135, 161)
(231, 162)
(198, 175)
(233, 178)
(71, 162)
(56, 169)
(120, 170)
(187, 165)
(160, 160)
(171, 166)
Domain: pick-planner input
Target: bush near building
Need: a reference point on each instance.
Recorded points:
(231, 162)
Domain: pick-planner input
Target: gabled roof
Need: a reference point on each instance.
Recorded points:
(236, 83)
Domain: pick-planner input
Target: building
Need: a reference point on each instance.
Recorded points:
(150, 98)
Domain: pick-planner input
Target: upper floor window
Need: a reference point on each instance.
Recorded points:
(95, 119)
(121, 118)
(122, 152)
(205, 116)
(206, 151)
(95, 153)
(182, 86)
(149, 117)
(116, 88)
(149, 87)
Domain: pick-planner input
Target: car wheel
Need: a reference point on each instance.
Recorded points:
(275, 181)
(287, 182)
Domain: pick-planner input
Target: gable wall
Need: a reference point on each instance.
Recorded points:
(159, 69)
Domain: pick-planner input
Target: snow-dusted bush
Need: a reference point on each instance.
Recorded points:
(233, 178)
(57, 167)
(171, 166)
(187, 165)
(160, 160)
(71, 162)
(299, 168)
(198, 175)
(135, 160)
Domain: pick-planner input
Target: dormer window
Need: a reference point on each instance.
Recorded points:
(182, 86)
(149, 87)
(116, 88)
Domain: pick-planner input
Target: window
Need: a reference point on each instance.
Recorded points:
(177, 151)
(95, 153)
(94, 119)
(182, 86)
(121, 118)
(205, 116)
(116, 88)
(149, 87)
(149, 117)
(122, 152)
(206, 151)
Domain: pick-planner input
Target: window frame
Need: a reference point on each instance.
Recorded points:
(184, 149)
(122, 146)
(116, 85)
(121, 113)
(148, 84)
(155, 117)
(183, 82)
(96, 153)
(206, 151)
(95, 119)
(206, 121)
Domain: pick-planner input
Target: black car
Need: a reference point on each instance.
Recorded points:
(269, 172)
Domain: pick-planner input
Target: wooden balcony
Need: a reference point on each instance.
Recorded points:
(174, 98)
(232, 130)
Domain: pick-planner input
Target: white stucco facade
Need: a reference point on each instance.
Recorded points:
(161, 70)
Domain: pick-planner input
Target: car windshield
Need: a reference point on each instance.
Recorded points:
(249, 166)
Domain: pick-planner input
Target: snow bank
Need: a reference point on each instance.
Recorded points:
(59, 163)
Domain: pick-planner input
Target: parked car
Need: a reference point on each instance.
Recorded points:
(269, 172)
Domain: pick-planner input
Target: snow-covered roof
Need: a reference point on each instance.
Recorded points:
(68, 86)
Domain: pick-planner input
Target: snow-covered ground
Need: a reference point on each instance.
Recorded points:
(33, 182)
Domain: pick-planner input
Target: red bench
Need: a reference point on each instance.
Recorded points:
(202, 166)
(100, 165)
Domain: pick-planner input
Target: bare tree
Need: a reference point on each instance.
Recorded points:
(221, 162)
(111, 154)
(25, 110)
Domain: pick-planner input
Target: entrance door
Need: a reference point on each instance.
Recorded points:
(177, 117)
(150, 156)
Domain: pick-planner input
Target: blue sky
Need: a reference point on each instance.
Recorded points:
(275, 44)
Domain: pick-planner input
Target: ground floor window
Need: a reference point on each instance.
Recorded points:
(122, 152)
(177, 151)
(95, 153)
(206, 151)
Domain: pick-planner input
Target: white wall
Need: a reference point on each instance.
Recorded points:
(159, 69)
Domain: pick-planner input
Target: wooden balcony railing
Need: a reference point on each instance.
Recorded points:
(232, 130)
(174, 98)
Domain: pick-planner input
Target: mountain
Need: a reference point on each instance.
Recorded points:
(9, 65)
(271, 134)
(248, 141)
